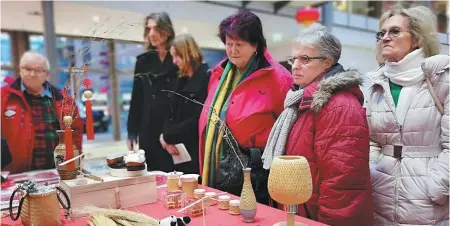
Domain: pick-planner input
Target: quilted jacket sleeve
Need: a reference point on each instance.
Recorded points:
(438, 186)
(342, 151)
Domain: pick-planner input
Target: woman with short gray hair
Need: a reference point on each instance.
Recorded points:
(408, 115)
(324, 121)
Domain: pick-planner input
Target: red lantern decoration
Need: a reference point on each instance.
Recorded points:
(307, 16)
(89, 120)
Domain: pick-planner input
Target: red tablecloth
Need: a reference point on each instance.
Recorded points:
(265, 216)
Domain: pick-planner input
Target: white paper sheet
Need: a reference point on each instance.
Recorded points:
(184, 155)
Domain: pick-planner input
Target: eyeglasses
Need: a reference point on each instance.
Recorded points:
(391, 33)
(304, 59)
(27, 71)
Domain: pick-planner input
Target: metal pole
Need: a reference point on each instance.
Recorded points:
(114, 91)
(50, 42)
(327, 15)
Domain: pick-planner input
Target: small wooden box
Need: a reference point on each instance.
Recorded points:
(114, 192)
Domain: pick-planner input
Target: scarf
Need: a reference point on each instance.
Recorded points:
(230, 79)
(407, 73)
(280, 131)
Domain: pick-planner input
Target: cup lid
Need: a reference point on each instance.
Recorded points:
(189, 177)
(235, 202)
(224, 197)
(199, 191)
(211, 193)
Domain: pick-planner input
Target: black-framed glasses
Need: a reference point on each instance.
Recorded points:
(392, 33)
(304, 59)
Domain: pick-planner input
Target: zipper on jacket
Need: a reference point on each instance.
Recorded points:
(396, 218)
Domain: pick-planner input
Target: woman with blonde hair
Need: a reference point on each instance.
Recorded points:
(408, 116)
(181, 122)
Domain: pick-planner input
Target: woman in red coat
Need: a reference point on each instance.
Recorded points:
(324, 121)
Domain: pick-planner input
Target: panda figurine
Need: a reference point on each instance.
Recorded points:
(175, 221)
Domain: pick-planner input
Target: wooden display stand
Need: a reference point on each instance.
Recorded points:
(113, 192)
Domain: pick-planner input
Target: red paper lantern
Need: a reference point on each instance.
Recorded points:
(307, 16)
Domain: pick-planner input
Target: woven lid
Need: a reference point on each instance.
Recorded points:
(36, 189)
(210, 194)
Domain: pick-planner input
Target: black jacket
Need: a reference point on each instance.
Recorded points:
(149, 106)
(181, 124)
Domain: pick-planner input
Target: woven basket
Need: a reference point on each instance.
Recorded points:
(290, 180)
(41, 210)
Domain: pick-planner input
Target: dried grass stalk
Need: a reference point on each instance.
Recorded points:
(103, 217)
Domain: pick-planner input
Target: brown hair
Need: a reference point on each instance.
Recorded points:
(163, 23)
(189, 52)
(246, 26)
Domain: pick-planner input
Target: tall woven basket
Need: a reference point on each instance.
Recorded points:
(39, 204)
(41, 210)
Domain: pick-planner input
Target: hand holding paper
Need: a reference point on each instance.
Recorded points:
(183, 156)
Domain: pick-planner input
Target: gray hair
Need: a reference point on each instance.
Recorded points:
(33, 55)
(422, 25)
(318, 37)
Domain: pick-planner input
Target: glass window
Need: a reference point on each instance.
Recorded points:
(64, 48)
(93, 52)
(360, 7)
(341, 6)
(75, 51)
(213, 56)
(3, 75)
(37, 43)
(126, 54)
(6, 54)
(439, 8)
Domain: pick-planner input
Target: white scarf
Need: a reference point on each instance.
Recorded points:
(407, 73)
(280, 131)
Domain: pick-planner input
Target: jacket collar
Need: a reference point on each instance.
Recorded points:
(45, 93)
(318, 93)
(264, 62)
(16, 88)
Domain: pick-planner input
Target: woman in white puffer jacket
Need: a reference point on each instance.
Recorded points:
(410, 136)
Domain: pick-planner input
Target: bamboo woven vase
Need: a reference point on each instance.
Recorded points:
(248, 200)
(290, 183)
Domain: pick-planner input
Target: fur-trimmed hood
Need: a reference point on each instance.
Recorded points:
(346, 80)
